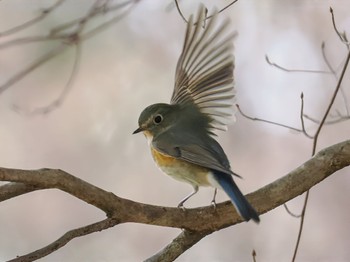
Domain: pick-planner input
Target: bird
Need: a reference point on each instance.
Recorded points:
(181, 134)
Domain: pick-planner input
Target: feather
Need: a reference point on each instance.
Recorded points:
(204, 73)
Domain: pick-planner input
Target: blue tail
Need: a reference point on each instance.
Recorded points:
(237, 198)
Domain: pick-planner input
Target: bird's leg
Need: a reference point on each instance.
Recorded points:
(213, 202)
(181, 204)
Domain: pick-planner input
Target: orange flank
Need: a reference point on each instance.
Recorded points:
(162, 159)
(180, 169)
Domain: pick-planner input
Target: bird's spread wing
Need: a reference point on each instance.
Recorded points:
(204, 73)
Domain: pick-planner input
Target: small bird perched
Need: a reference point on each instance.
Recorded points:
(180, 134)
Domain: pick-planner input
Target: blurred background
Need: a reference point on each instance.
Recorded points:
(131, 65)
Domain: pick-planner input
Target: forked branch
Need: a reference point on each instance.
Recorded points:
(119, 210)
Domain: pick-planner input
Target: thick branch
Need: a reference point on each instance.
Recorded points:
(181, 243)
(322, 165)
(11, 190)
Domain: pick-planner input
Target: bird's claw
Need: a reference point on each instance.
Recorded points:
(181, 206)
(213, 203)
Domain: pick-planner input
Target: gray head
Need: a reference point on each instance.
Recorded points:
(156, 118)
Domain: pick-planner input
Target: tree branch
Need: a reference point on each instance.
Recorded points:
(11, 190)
(178, 246)
(63, 240)
(298, 181)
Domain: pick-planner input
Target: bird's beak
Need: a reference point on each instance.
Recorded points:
(140, 129)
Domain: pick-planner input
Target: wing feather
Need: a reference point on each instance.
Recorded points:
(203, 151)
(204, 73)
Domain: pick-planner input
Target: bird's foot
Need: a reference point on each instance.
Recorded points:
(181, 206)
(213, 203)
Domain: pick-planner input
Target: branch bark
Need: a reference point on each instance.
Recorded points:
(120, 210)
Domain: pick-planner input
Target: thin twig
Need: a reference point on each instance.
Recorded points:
(74, 39)
(66, 238)
(290, 212)
(315, 140)
(342, 36)
(328, 122)
(29, 40)
(331, 103)
(334, 73)
(301, 226)
(325, 59)
(254, 255)
(267, 121)
(44, 13)
(103, 26)
(302, 117)
(39, 62)
(227, 6)
(59, 100)
(180, 12)
(207, 17)
(91, 14)
(294, 70)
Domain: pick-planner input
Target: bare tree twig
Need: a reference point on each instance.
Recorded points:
(331, 103)
(334, 73)
(267, 121)
(254, 255)
(325, 59)
(29, 40)
(342, 36)
(44, 13)
(227, 6)
(180, 12)
(302, 117)
(94, 31)
(207, 17)
(329, 122)
(290, 212)
(59, 100)
(40, 61)
(321, 123)
(294, 70)
(315, 140)
(95, 11)
(57, 33)
(66, 238)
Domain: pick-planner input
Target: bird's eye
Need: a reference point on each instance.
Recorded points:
(157, 119)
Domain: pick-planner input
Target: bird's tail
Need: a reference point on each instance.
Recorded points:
(237, 198)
